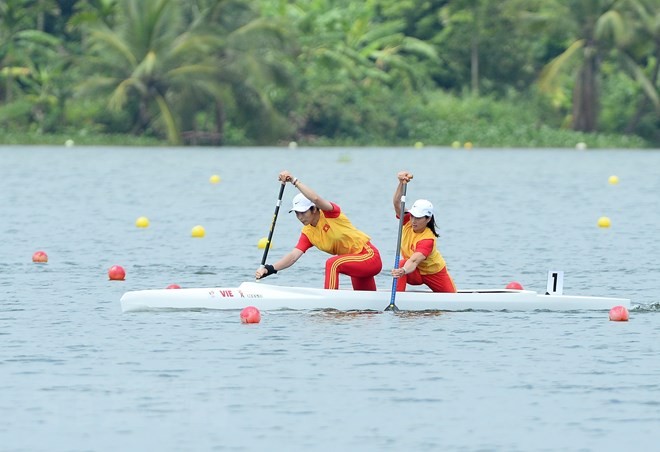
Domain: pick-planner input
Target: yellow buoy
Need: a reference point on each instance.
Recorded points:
(142, 222)
(263, 242)
(214, 179)
(419, 145)
(456, 144)
(604, 222)
(468, 145)
(613, 180)
(198, 232)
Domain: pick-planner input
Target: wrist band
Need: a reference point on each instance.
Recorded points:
(271, 270)
(294, 181)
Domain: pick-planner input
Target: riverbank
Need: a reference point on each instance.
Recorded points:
(545, 138)
(443, 121)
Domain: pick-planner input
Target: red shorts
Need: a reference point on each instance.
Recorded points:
(438, 282)
(361, 267)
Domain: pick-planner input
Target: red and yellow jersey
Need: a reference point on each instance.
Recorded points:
(334, 233)
(425, 243)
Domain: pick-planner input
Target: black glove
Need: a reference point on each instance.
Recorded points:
(270, 270)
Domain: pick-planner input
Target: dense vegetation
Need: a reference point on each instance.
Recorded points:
(387, 72)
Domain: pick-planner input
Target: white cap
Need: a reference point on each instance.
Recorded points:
(301, 204)
(421, 208)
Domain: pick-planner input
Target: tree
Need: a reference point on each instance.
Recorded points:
(28, 59)
(167, 60)
(598, 27)
(351, 65)
(643, 56)
(20, 43)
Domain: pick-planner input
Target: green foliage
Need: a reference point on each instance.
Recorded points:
(15, 114)
(498, 123)
(376, 72)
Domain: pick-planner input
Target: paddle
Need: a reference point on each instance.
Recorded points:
(272, 225)
(402, 211)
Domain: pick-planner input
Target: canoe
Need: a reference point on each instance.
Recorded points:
(271, 297)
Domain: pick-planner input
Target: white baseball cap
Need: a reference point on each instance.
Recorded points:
(301, 204)
(421, 208)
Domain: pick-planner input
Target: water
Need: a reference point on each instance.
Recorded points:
(77, 375)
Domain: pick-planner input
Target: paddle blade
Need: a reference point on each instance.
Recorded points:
(392, 307)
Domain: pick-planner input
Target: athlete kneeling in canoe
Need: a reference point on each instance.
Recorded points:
(326, 227)
(422, 263)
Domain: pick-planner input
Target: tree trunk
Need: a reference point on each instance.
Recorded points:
(474, 51)
(585, 94)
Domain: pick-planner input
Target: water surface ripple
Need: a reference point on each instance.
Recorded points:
(78, 375)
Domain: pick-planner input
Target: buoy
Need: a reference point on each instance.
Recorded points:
(619, 314)
(581, 146)
(604, 222)
(68, 143)
(456, 144)
(198, 232)
(293, 145)
(116, 273)
(173, 286)
(250, 315)
(468, 145)
(214, 179)
(419, 145)
(263, 241)
(613, 180)
(40, 257)
(514, 285)
(142, 222)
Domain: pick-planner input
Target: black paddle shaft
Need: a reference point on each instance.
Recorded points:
(272, 224)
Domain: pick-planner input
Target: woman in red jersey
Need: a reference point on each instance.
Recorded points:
(326, 227)
(421, 263)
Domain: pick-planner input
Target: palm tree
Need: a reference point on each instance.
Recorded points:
(646, 22)
(599, 26)
(21, 44)
(348, 59)
(255, 68)
(145, 60)
(167, 60)
(30, 61)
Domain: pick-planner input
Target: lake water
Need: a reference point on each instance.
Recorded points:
(78, 375)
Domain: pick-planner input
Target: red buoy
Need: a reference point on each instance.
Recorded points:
(619, 314)
(250, 315)
(173, 286)
(116, 273)
(514, 285)
(40, 257)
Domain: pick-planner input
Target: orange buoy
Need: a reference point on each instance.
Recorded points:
(40, 257)
(250, 314)
(514, 285)
(116, 273)
(619, 314)
(173, 286)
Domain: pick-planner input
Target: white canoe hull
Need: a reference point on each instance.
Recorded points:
(269, 297)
